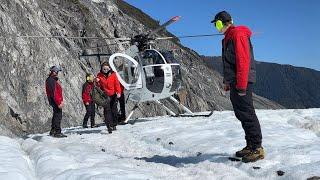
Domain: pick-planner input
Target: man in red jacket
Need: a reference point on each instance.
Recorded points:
(54, 94)
(109, 83)
(239, 75)
(87, 101)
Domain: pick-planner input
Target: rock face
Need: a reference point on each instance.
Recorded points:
(292, 87)
(25, 61)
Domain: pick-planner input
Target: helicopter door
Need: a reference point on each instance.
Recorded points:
(127, 70)
(153, 64)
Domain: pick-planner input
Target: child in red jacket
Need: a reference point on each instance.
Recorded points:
(87, 100)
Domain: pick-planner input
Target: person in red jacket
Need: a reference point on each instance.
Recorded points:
(109, 83)
(55, 98)
(87, 101)
(239, 75)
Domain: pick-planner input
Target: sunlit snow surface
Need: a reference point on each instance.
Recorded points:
(169, 148)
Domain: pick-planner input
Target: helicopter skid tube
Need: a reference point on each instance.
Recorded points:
(131, 113)
(193, 115)
(180, 105)
(167, 109)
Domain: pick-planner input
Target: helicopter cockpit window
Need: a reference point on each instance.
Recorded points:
(151, 57)
(126, 69)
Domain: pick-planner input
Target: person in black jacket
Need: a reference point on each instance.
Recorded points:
(55, 98)
(239, 75)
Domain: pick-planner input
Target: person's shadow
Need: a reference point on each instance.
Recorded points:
(180, 161)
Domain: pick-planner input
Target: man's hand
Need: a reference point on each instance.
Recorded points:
(61, 105)
(226, 87)
(118, 95)
(96, 79)
(86, 103)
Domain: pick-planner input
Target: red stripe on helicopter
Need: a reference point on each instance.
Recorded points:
(176, 18)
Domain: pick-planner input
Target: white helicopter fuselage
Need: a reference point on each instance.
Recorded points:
(147, 75)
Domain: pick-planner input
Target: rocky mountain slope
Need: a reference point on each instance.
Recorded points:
(24, 62)
(292, 87)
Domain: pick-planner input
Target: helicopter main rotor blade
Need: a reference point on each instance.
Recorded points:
(67, 37)
(196, 36)
(172, 20)
(190, 36)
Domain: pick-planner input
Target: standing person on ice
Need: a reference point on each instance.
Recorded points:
(54, 94)
(110, 84)
(239, 75)
(87, 100)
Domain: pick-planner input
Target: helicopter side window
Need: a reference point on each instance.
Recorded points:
(151, 57)
(169, 56)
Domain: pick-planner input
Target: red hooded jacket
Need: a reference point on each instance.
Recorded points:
(109, 84)
(238, 53)
(86, 90)
(54, 90)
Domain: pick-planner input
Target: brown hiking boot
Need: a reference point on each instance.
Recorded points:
(246, 150)
(254, 155)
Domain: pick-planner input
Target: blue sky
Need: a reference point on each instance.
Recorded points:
(289, 30)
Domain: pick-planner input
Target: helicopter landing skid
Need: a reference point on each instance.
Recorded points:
(188, 113)
(193, 115)
(130, 114)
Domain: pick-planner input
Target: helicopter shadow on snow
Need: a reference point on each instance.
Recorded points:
(181, 161)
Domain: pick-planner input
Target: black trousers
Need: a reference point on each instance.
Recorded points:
(90, 113)
(122, 103)
(244, 111)
(110, 112)
(56, 119)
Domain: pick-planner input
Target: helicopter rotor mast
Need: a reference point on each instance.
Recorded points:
(142, 40)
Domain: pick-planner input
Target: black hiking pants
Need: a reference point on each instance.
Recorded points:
(110, 112)
(122, 103)
(244, 111)
(90, 113)
(56, 119)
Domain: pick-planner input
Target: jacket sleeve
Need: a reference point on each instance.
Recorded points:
(58, 93)
(86, 94)
(242, 52)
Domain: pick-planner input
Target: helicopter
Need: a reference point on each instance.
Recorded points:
(147, 73)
